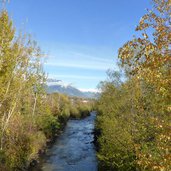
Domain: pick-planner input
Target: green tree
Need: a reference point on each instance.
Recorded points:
(21, 88)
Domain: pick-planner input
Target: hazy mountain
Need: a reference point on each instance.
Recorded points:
(59, 86)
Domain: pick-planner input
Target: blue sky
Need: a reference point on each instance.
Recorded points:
(81, 37)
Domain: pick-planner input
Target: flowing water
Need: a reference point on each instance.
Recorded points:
(74, 149)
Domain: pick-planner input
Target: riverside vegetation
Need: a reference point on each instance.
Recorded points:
(133, 119)
(28, 116)
(134, 115)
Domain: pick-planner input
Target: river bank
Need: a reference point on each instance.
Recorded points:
(73, 149)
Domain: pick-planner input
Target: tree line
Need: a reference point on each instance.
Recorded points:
(134, 109)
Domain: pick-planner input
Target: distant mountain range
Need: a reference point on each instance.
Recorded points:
(54, 85)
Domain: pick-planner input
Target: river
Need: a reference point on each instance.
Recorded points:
(74, 149)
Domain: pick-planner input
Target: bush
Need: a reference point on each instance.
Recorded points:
(49, 124)
(74, 112)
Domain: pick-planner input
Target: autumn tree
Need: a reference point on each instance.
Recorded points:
(146, 61)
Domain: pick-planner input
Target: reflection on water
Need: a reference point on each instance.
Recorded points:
(74, 149)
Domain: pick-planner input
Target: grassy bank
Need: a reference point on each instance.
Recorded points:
(27, 138)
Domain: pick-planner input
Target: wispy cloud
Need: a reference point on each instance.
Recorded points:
(75, 77)
(82, 60)
(92, 58)
(90, 90)
(81, 66)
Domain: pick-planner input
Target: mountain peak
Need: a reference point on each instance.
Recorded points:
(54, 85)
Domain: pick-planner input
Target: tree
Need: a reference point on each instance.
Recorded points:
(134, 115)
(150, 62)
(21, 88)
